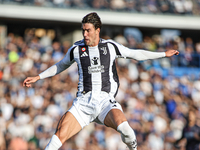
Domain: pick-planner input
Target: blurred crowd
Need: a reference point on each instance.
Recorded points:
(179, 7)
(155, 105)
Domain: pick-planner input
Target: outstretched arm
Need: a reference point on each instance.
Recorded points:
(27, 82)
(170, 53)
(139, 54)
(145, 55)
(53, 70)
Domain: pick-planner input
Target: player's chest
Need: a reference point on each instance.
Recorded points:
(95, 56)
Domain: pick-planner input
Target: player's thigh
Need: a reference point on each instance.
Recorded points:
(67, 127)
(114, 118)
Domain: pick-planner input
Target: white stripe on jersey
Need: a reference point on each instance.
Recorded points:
(96, 74)
(114, 85)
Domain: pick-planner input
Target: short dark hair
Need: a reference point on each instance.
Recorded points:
(94, 19)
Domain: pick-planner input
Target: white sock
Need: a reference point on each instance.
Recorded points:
(128, 135)
(54, 143)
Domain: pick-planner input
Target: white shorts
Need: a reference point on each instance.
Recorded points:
(87, 109)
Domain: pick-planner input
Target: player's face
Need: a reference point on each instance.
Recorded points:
(90, 34)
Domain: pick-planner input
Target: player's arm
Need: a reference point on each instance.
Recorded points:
(57, 68)
(27, 82)
(53, 70)
(145, 55)
(142, 54)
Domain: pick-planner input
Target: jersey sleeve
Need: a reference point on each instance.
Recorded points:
(60, 66)
(125, 52)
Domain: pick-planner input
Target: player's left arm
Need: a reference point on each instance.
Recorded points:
(170, 53)
(141, 54)
(145, 55)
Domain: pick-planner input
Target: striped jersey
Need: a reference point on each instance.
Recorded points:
(96, 65)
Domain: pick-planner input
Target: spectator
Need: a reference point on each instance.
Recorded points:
(179, 7)
(117, 4)
(2, 141)
(191, 132)
(18, 144)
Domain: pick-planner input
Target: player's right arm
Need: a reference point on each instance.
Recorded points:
(53, 70)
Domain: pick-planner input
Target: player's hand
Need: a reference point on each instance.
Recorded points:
(170, 53)
(27, 82)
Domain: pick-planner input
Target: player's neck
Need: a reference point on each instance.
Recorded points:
(96, 42)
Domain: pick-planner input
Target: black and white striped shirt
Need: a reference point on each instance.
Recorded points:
(96, 65)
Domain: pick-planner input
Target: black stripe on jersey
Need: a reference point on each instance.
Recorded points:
(105, 61)
(115, 76)
(85, 63)
(116, 49)
(72, 53)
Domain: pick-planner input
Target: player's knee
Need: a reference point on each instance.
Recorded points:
(127, 134)
(126, 130)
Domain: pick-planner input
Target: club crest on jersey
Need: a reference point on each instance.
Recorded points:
(104, 50)
(83, 49)
(95, 60)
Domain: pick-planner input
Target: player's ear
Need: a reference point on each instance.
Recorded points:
(98, 30)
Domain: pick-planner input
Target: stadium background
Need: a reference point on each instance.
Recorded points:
(156, 95)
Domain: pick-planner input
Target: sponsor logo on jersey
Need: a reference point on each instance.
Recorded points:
(95, 60)
(95, 69)
(84, 54)
(104, 50)
(83, 49)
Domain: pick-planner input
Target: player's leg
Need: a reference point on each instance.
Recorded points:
(67, 127)
(117, 120)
